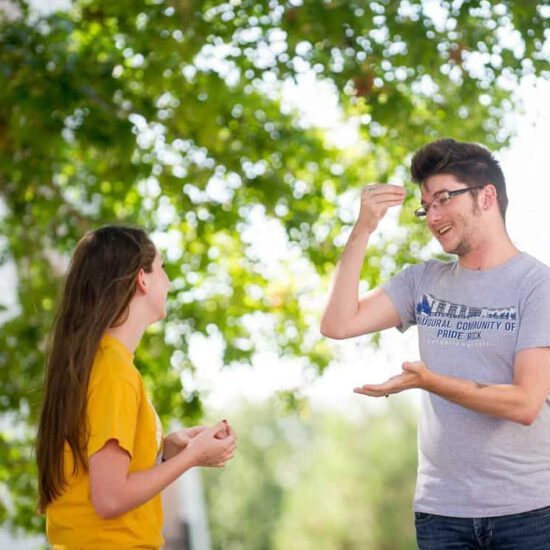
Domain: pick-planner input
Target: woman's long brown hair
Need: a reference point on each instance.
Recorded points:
(100, 283)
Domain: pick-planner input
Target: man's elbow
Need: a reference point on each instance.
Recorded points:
(528, 419)
(526, 416)
(332, 331)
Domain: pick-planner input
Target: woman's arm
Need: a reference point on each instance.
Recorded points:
(114, 491)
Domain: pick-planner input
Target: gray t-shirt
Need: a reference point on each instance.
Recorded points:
(470, 325)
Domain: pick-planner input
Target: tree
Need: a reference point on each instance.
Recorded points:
(167, 114)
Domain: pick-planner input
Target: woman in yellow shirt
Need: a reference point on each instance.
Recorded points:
(101, 456)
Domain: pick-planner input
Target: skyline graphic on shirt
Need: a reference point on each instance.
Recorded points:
(431, 306)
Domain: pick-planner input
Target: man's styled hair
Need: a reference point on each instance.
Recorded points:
(467, 162)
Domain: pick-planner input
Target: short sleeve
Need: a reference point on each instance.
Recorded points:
(113, 404)
(534, 317)
(401, 290)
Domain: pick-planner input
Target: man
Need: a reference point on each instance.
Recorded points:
(484, 337)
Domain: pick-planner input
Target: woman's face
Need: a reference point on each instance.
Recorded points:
(157, 287)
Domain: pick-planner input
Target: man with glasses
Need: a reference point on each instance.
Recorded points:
(484, 337)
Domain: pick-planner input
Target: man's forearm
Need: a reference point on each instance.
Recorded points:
(343, 300)
(508, 401)
(520, 401)
(341, 318)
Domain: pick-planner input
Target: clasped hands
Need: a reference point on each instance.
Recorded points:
(177, 441)
(414, 375)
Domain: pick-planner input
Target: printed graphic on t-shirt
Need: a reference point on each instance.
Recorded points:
(460, 324)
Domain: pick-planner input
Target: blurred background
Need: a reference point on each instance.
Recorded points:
(240, 134)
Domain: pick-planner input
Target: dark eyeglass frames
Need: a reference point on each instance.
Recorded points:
(442, 198)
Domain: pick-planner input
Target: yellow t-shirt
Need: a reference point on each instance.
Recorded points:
(117, 408)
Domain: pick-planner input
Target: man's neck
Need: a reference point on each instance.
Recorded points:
(489, 255)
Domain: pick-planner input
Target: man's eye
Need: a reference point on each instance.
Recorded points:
(443, 200)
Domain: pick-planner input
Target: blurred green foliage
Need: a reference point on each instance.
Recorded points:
(169, 114)
(316, 481)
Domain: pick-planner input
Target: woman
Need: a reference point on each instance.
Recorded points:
(101, 457)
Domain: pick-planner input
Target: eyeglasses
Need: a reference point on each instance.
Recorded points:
(442, 198)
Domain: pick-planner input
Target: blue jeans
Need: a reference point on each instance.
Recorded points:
(526, 531)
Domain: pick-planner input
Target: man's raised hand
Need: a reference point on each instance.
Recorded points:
(376, 198)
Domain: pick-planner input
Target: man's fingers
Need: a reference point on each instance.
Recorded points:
(383, 199)
(387, 203)
(370, 393)
(380, 201)
(372, 388)
(378, 390)
(379, 197)
(378, 190)
(384, 187)
(375, 387)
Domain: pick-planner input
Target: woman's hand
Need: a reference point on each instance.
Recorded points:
(414, 375)
(177, 441)
(213, 446)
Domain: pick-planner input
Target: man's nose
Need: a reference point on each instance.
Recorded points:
(433, 214)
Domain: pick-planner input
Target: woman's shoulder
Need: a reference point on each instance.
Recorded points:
(113, 361)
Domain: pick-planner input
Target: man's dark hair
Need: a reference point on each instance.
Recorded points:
(467, 162)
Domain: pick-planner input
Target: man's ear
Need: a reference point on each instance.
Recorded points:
(489, 196)
(141, 285)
